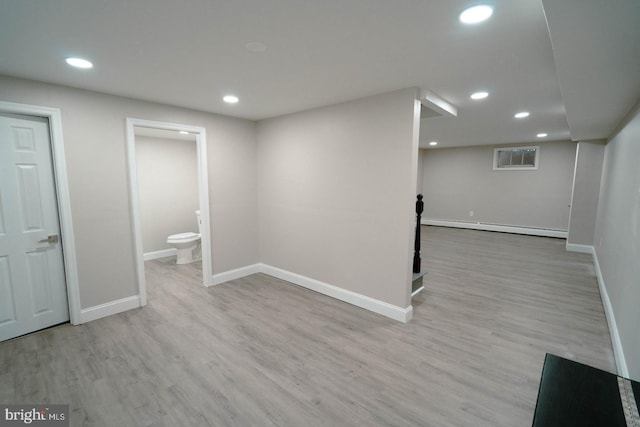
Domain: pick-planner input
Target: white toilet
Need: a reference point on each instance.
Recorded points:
(187, 245)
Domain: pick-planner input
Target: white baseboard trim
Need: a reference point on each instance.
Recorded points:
(584, 249)
(359, 300)
(495, 227)
(108, 309)
(160, 254)
(618, 351)
(235, 274)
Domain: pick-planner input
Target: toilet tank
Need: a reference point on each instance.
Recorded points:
(199, 221)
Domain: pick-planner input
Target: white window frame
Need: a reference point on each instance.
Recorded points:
(497, 150)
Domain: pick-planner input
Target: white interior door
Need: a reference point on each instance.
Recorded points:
(33, 292)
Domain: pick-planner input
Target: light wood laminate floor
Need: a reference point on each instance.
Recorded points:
(261, 352)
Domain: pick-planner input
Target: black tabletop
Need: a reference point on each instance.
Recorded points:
(573, 394)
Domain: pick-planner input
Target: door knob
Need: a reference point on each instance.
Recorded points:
(50, 239)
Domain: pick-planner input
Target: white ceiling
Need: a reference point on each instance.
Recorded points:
(321, 52)
(596, 46)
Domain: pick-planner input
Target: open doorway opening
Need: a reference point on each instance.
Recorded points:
(144, 131)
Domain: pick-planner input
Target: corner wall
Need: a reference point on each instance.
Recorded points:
(167, 172)
(336, 194)
(586, 192)
(617, 243)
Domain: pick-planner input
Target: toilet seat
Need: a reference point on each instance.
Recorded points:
(183, 237)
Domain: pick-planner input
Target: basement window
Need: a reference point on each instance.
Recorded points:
(515, 158)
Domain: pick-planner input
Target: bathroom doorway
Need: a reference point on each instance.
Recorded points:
(145, 129)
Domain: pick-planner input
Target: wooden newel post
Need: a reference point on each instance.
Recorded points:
(416, 252)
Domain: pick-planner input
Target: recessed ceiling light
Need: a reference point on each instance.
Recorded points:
(184, 132)
(79, 63)
(433, 143)
(479, 95)
(541, 135)
(521, 115)
(231, 99)
(476, 14)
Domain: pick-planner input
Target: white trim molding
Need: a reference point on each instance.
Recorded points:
(237, 273)
(618, 351)
(160, 254)
(64, 202)
(359, 300)
(203, 197)
(108, 309)
(380, 307)
(583, 249)
(531, 231)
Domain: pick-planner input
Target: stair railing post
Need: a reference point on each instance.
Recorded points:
(416, 252)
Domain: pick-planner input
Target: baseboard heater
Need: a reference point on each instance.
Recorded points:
(532, 231)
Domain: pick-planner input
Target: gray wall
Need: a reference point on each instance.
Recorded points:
(459, 180)
(95, 142)
(586, 192)
(337, 190)
(167, 171)
(617, 237)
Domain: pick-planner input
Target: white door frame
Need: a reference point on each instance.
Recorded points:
(62, 196)
(203, 197)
